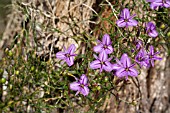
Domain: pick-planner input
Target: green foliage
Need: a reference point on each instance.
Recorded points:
(38, 85)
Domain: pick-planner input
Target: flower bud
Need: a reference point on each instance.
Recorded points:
(134, 103)
(32, 68)
(1, 71)
(10, 86)
(106, 79)
(3, 80)
(168, 34)
(17, 72)
(6, 50)
(165, 9)
(10, 53)
(162, 26)
(98, 87)
(9, 103)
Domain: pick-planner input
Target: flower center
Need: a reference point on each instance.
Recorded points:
(102, 63)
(140, 59)
(151, 56)
(148, 31)
(105, 46)
(126, 20)
(127, 69)
(68, 55)
(82, 85)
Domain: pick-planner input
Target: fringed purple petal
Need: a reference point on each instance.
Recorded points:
(109, 49)
(121, 72)
(154, 5)
(167, 4)
(83, 79)
(150, 0)
(132, 72)
(125, 60)
(95, 64)
(151, 52)
(121, 23)
(84, 91)
(75, 86)
(71, 49)
(152, 63)
(156, 58)
(70, 60)
(98, 48)
(116, 66)
(60, 55)
(106, 40)
(131, 17)
(153, 33)
(132, 22)
(107, 66)
(101, 68)
(103, 56)
(95, 56)
(77, 92)
(125, 13)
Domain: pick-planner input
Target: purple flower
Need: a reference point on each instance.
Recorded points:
(138, 43)
(124, 68)
(103, 62)
(142, 58)
(81, 85)
(156, 3)
(151, 30)
(67, 55)
(104, 46)
(152, 56)
(132, 50)
(125, 19)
